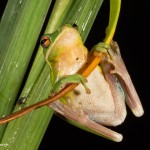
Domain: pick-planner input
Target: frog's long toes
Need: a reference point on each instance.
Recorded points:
(88, 91)
(85, 80)
(114, 46)
(100, 47)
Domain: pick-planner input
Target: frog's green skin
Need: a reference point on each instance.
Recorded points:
(64, 60)
(105, 105)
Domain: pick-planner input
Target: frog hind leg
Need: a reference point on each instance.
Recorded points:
(132, 99)
(79, 118)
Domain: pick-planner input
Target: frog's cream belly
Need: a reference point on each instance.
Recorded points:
(100, 98)
(100, 105)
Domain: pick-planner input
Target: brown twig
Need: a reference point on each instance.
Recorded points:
(86, 70)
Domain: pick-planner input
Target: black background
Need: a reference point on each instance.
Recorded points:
(132, 35)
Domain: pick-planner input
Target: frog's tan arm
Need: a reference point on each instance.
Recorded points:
(87, 69)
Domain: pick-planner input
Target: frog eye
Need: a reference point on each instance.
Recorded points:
(45, 41)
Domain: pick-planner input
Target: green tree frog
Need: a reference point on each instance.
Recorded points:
(110, 85)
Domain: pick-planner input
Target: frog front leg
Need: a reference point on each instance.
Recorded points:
(62, 82)
(100, 47)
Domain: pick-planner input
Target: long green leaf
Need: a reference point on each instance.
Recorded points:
(36, 69)
(16, 47)
(27, 131)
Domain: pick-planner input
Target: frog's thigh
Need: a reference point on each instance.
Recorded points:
(100, 105)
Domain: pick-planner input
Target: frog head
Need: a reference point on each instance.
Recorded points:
(64, 50)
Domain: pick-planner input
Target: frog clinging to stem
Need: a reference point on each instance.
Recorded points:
(100, 100)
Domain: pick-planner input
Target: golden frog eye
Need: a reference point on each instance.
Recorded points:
(45, 41)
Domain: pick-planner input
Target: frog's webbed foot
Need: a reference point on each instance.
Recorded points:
(100, 47)
(119, 69)
(81, 119)
(62, 82)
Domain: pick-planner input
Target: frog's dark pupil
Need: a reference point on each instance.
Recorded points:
(43, 41)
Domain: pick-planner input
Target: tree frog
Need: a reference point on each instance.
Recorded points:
(110, 85)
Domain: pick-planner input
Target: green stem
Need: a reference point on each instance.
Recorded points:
(113, 19)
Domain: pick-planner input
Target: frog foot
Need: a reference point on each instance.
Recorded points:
(100, 47)
(76, 78)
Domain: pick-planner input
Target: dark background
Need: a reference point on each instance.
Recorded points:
(133, 39)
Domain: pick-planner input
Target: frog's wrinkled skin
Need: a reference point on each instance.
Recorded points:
(110, 87)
